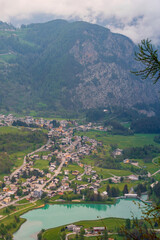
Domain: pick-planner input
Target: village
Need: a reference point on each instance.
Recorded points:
(63, 149)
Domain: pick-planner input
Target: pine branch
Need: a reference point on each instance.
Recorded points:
(149, 58)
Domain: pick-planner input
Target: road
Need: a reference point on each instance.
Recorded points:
(155, 173)
(55, 174)
(17, 211)
(29, 154)
(13, 202)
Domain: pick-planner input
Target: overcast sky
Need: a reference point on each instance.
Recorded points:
(137, 19)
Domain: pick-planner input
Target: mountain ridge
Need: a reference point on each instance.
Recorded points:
(60, 66)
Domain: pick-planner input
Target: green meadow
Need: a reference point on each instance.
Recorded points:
(135, 140)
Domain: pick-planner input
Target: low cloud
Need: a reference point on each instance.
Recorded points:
(138, 19)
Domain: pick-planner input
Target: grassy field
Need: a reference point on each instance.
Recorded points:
(118, 185)
(110, 236)
(73, 167)
(4, 130)
(157, 160)
(16, 142)
(150, 167)
(18, 211)
(157, 177)
(106, 173)
(41, 164)
(122, 142)
(112, 225)
(23, 201)
(136, 140)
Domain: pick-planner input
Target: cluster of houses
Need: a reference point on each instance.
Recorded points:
(7, 120)
(28, 188)
(71, 149)
(92, 231)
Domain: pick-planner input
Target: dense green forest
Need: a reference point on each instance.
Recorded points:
(147, 152)
(116, 128)
(146, 125)
(12, 143)
(5, 158)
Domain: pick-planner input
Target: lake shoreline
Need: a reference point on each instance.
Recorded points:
(114, 201)
(56, 215)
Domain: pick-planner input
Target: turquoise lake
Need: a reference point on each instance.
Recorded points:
(61, 214)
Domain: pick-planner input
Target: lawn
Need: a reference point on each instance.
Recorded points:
(106, 173)
(41, 164)
(23, 201)
(88, 160)
(73, 167)
(53, 233)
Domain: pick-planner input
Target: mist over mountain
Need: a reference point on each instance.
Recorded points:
(60, 66)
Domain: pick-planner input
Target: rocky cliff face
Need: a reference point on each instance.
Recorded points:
(60, 65)
(106, 78)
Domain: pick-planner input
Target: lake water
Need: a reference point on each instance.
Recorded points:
(60, 214)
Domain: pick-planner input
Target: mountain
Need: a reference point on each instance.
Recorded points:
(62, 67)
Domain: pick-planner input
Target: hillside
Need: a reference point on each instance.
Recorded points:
(58, 67)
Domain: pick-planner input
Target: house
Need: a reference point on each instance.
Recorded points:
(9, 193)
(6, 178)
(52, 185)
(56, 180)
(37, 193)
(104, 194)
(60, 193)
(71, 227)
(117, 152)
(130, 195)
(126, 161)
(135, 164)
(77, 229)
(25, 191)
(75, 172)
(6, 200)
(153, 184)
(81, 165)
(5, 189)
(35, 156)
(98, 229)
(48, 175)
(65, 186)
(115, 179)
(94, 178)
(51, 169)
(133, 177)
(96, 185)
(66, 172)
(79, 178)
